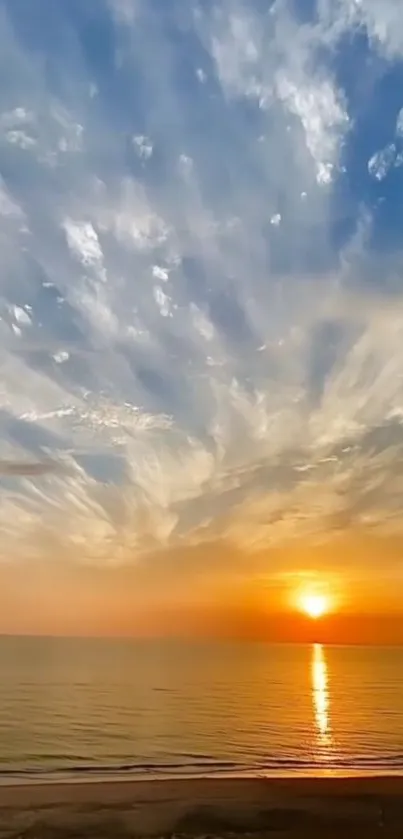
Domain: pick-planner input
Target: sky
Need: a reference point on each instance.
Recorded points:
(201, 314)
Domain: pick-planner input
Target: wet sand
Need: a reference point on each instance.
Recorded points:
(208, 807)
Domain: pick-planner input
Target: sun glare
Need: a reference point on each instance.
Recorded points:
(313, 604)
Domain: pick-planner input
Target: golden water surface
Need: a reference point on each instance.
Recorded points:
(67, 704)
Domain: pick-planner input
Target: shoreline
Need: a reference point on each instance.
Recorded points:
(31, 778)
(209, 806)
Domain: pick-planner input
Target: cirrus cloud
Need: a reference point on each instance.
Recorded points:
(200, 324)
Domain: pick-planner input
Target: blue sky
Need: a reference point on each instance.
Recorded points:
(201, 310)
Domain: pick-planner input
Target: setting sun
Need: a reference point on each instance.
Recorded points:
(314, 605)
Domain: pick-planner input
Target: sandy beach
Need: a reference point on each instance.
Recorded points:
(210, 807)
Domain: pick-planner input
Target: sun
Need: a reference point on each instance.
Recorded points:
(313, 604)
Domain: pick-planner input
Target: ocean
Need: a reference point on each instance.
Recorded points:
(105, 707)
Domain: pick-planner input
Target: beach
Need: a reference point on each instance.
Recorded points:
(203, 807)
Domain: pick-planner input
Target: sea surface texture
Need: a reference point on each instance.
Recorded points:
(96, 706)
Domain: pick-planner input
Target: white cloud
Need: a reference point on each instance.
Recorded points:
(236, 49)
(131, 218)
(219, 384)
(201, 75)
(381, 19)
(163, 301)
(61, 356)
(399, 124)
(323, 118)
(21, 316)
(17, 137)
(380, 162)
(84, 243)
(160, 273)
(143, 146)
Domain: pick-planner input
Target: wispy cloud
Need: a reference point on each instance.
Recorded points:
(200, 324)
(25, 468)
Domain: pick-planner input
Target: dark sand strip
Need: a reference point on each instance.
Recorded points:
(208, 807)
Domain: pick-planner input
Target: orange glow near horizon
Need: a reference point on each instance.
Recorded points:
(303, 598)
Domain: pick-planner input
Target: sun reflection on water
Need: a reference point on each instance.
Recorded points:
(320, 695)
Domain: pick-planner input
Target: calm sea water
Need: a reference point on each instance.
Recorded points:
(130, 706)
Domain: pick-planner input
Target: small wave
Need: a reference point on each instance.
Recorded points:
(131, 768)
(203, 765)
